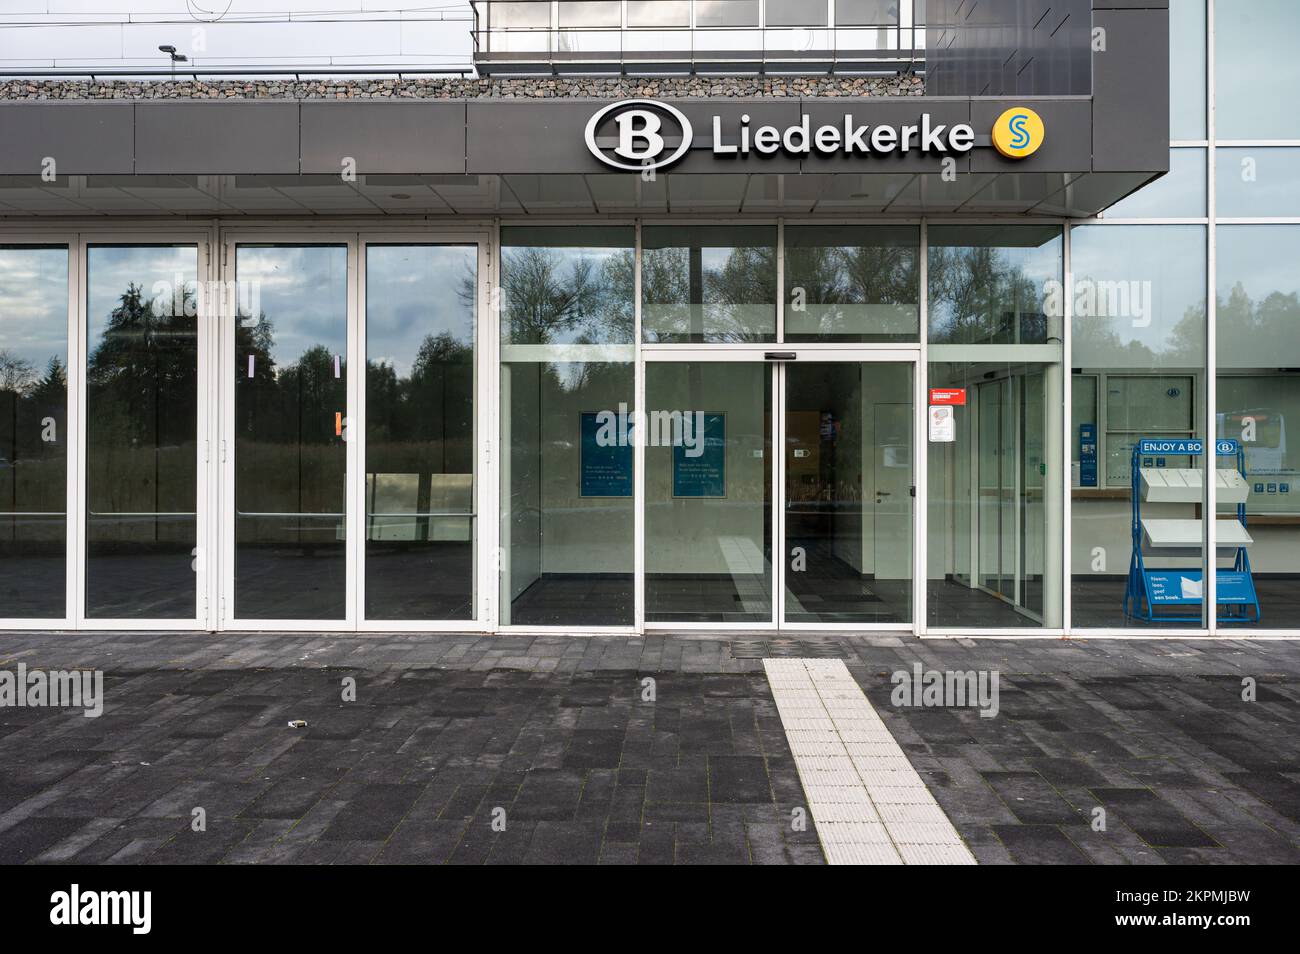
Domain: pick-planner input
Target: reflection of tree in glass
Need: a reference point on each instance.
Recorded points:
(31, 467)
(422, 423)
(688, 299)
(141, 389)
(977, 295)
(555, 295)
(850, 275)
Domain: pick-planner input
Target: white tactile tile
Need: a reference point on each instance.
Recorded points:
(868, 803)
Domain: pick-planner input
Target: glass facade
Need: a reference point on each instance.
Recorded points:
(970, 423)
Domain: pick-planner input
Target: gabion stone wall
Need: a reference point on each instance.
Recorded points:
(457, 88)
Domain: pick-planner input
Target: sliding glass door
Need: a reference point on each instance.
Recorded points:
(831, 435)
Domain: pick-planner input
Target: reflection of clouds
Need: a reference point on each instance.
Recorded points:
(113, 268)
(304, 295)
(413, 292)
(34, 304)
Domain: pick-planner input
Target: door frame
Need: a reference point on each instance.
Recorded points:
(805, 353)
(356, 239)
(205, 507)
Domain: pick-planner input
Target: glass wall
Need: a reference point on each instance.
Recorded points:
(852, 283)
(142, 399)
(1257, 402)
(290, 425)
(420, 523)
(708, 283)
(33, 431)
(1256, 71)
(567, 384)
(1138, 352)
(995, 374)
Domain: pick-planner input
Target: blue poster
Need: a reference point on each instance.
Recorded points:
(606, 456)
(700, 465)
(1087, 455)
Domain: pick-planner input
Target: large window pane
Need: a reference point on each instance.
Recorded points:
(726, 13)
(518, 14)
(567, 286)
(33, 431)
(590, 13)
(141, 431)
(705, 283)
(869, 12)
(1180, 192)
(1187, 69)
(1257, 182)
(290, 420)
(1258, 393)
(796, 13)
(708, 489)
(659, 13)
(1256, 71)
(851, 283)
(1139, 356)
(420, 449)
(567, 373)
(995, 369)
(988, 283)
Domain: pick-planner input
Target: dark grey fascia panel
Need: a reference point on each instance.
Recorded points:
(1067, 136)
(523, 137)
(216, 138)
(1130, 101)
(81, 138)
(384, 138)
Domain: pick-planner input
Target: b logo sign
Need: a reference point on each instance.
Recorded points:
(642, 137)
(1018, 132)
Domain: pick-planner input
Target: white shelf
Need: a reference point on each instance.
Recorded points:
(1168, 534)
(1185, 485)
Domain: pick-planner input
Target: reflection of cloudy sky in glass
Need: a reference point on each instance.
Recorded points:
(113, 268)
(413, 292)
(304, 294)
(34, 304)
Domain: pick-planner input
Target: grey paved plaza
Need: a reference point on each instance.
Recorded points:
(556, 741)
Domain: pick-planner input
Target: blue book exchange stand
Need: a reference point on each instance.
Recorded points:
(1165, 594)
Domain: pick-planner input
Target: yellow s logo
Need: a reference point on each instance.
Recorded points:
(1018, 132)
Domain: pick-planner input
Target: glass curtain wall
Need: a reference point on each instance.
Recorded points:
(420, 523)
(567, 387)
(995, 370)
(142, 398)
(33, 431)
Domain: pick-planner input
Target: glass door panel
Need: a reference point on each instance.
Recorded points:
(142, 365)
(290, 559)
(33, 431)
(420, 304)
(848, 492)
(708, 492)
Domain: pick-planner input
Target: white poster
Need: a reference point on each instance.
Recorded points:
(943, 424)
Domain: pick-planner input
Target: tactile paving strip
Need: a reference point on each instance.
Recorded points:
(869, 805)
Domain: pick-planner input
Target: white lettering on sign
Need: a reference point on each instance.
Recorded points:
(636, 135)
